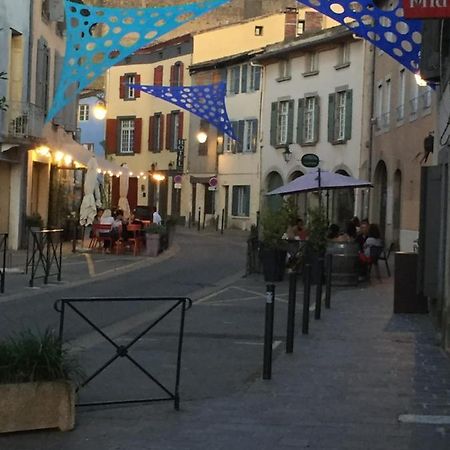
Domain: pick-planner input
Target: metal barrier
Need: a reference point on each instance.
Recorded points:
(3, 247)
(46, 251)
(122, 351)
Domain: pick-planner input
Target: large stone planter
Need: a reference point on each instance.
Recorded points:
(35, 406)
(152, 244)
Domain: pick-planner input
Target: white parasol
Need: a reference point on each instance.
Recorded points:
(123, 192)
(88, 209)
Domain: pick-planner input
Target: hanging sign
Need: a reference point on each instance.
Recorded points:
(310, 160)
(426, 9)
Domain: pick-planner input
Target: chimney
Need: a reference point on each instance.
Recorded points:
(290, 24)
(313, 21)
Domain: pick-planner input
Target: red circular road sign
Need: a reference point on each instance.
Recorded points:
(177, 179)
(213, 182)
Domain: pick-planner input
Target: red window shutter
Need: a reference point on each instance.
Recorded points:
(181, 72)
(172, 75)
(122, 87)
(180, 124)
(137, 135)
(111, 136)
(161, 133)
(137, 80)
(158, 76)
(151, 128)
(168, 130)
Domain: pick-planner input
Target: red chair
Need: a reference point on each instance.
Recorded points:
(135, 239)
(101, 234)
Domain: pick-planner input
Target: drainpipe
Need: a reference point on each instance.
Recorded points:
(371, 130)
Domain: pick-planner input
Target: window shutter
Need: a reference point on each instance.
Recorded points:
(274, 124)
(122, 87)
(151, 134)
(257, 78)
(240, 135)
(111, 136)
(331, 114)
(40, 74)
(254, 135)
(168, 132)
(244, 78)
(180, 126)
(137, 135)
(158, 76)
(290, 134)
(161, 133)
(181, 74)
(316, 119)
(348, 114)
(247, 200)
(137, 80)
(301, 121)
(235, 144)
(234, 205)
(172, 75)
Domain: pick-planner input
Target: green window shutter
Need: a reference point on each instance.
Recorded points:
(290, 134)
(348, 114)
(234, 206)
(254, 141)
(300, 121)
(235, 144)
(58, 119)
(244, 78)
(247, 200)
(274, 124)
(316, 119)
(240, 135)
(331, 114)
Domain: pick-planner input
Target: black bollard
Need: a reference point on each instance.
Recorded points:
(204, 219)
(329, 271)
(291, 312)
(223, 221)
(190, 220)
(306, 297)
(318, 310)
(199, 222)
(268, 332)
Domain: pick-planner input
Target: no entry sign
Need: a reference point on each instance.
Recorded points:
(426, 9)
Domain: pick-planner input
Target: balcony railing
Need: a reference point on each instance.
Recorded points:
(385, 120)
(400, 113)
(22, 120)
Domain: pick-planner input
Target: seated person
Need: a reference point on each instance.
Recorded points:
(118, 229)
(362, 235)
(333, 232)
(301, 231)
(96, 220)
(350, 233)
(373, 240)
(106, 219)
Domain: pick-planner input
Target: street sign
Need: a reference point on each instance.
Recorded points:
(212, 188)
(213, 182)
(310, 160)
(177, 185)
(177, 179)
(426, 9)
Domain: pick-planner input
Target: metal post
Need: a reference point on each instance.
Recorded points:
(223, 221)
(204, 219)
(329, 271)
(2, 281)
(306, 298)
(268, 332)
(74, 241)
(199, 218)
(60, 257)
(291, 312)
(190, 220)
(318, 310)
(180, 348)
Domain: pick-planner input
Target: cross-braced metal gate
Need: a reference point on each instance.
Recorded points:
(122, 351)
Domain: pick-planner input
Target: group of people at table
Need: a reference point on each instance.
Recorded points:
(366, 235)
(116, 226)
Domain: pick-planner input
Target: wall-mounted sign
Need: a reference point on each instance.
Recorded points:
(177, 179)
(426, 9)
(310, 160)
(213, 182)
(177, 186)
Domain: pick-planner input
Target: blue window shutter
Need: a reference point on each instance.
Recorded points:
(234, 206)
(254, 138)
(290, 134)
(316, 119)
(244, 78)
(247, 200)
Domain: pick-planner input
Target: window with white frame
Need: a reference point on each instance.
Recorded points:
(300, 27)
(312, 62)
(343, 54)
(83, 113)
(401, 95)
(414, 101)
(284, 68)
(255, 78)
(235, 80)
(283, 123)
(309, 134)
(387, 105)
(130, 92)
(250, 136)
(340, 115)
(241, 201)
(126, 136)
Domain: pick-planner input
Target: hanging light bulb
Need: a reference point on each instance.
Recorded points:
(419, 80)
(202, 137)
(100, 110)
(67, 160)
(59, 156)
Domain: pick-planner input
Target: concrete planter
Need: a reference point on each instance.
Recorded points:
(152, 244)
(35, 406)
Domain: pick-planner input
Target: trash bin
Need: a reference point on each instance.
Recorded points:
(407, 298)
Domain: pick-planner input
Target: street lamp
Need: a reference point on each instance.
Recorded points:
(419, 80)
(158, 178)
(100, 109)
(287, 154)
(202, 137)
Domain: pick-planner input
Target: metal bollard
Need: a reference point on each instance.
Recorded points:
(291, 312)
(190, 220)
(329, 269)
(204, 219)
(268, 332)
(223, 221)
(306, 298)
(199, 219)
(318, 310)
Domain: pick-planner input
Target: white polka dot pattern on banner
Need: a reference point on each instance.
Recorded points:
(207, 102)
(98, 38)
(387, 29)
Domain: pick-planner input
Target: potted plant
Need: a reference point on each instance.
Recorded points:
(153, 235)
(272, 251)
(317, 241)
(35, 383)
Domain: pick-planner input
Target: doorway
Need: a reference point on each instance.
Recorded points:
(397, 213)
(380, 201)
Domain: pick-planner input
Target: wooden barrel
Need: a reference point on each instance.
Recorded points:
(345, 263)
